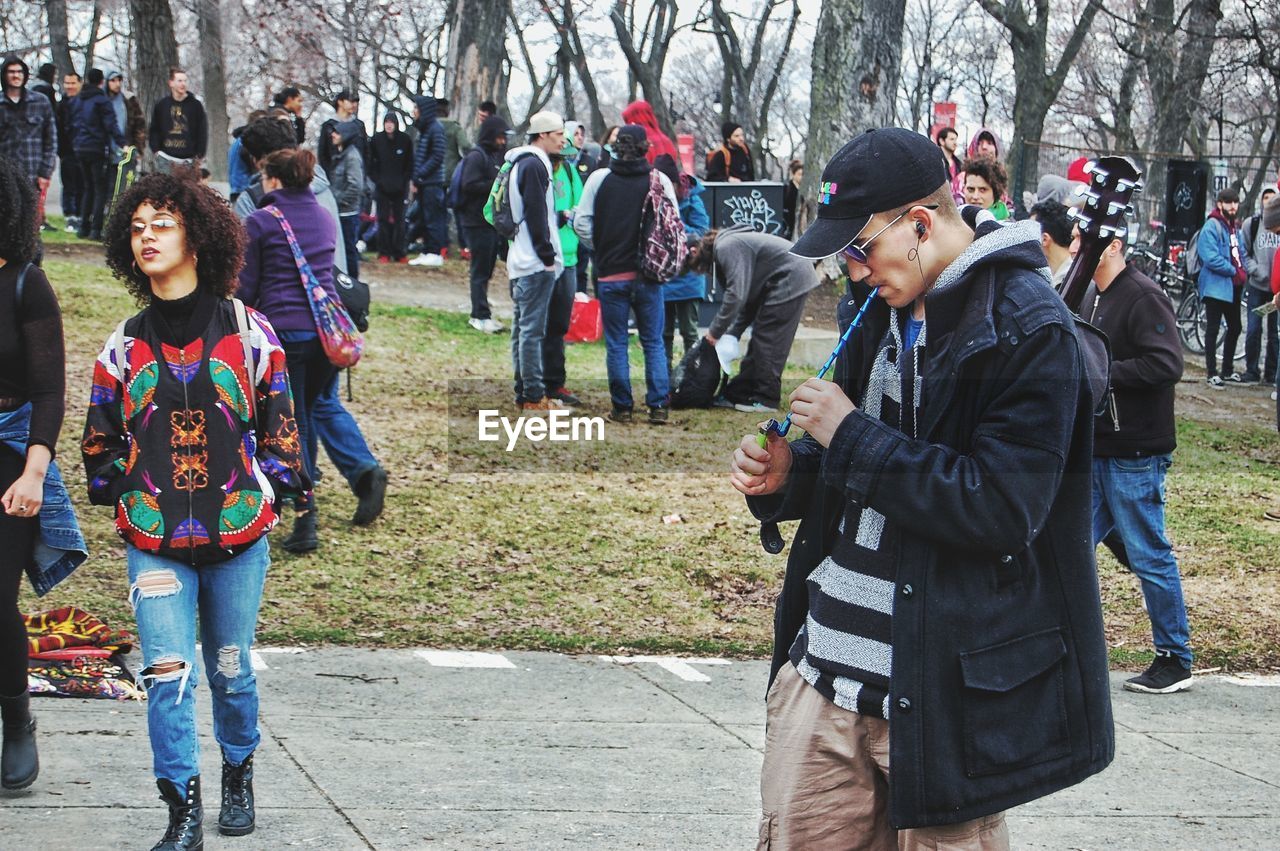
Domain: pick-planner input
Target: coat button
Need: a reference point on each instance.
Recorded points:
(1006, 559)
(904, 704)
(907, 590)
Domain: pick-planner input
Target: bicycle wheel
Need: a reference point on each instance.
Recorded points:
(1191, 323)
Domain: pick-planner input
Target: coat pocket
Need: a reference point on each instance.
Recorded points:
(1014, 707)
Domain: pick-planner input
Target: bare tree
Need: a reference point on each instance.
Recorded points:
(647, 57)
(932, 68)
(564, 18)
(541, 77)
(209, 27)
(1037, 86)
(743, 56)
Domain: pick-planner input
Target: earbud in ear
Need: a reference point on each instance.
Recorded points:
(920, 229)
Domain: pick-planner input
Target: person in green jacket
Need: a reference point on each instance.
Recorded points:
(567, 187)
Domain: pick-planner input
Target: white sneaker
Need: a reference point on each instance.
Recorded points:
(427, 260)
(478, 324)
(493, 326)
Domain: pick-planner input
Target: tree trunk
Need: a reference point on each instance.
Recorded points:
(1176, 75)
(856, 51)
(477, 48)
(60, 38)
(209, 29)
(151, 23)
(91, 46)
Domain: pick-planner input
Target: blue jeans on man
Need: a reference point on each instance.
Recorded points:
(1128, 496)
(1253, 338)
(531, 300)
(617, 300)
(225, 596)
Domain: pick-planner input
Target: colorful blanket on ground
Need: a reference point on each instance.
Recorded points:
(74, 654)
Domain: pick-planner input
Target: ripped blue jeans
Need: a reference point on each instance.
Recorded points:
(166, 595)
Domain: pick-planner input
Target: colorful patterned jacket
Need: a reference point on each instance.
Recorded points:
(193, 474)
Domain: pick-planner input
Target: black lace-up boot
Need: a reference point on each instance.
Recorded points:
(185, 831)
(236, 816)
(21, 763)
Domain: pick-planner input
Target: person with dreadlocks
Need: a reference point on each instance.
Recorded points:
(608, 221)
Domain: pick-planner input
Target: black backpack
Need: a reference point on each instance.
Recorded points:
(697, 379)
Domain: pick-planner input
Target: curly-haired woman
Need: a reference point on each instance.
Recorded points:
(34, 506)
(191, 438)
(271, 282)
(985, 183)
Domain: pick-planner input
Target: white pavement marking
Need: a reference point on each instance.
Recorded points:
(287, 651)
(682, 668)
(463, 659)
(1257, 680)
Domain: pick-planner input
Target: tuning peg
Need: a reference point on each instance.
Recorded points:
(1092, 196)
(1089, 166)
(1115, 208)
(1125, 185)
(1100, 174)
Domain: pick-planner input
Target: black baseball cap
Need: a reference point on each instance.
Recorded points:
(880, 170)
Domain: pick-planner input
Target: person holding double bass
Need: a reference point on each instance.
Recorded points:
(939, 654)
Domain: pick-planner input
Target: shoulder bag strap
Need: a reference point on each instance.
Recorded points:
(18, 289)
(242, 325)
(304, 268)
(121, 363)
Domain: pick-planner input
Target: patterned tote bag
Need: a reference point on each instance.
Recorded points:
(342, 342)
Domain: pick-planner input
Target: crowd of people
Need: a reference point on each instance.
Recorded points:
(208, 408)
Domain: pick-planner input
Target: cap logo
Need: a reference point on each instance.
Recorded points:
(827, 192)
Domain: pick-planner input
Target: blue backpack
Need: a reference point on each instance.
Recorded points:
(453, 197)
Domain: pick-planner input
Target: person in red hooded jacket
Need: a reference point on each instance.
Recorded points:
(639, 112)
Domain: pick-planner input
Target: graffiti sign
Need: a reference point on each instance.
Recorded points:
(756, 205)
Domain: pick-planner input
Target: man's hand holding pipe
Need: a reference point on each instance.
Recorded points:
(819, 407)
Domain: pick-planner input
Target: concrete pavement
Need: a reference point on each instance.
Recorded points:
(403, 749)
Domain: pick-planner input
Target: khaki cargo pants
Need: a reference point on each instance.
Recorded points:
(825, 782)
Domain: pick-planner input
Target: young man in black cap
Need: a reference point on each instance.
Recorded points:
(939, 654)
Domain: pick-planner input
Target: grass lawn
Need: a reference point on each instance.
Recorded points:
(566, 548)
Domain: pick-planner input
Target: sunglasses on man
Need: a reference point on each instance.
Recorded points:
(859, 253)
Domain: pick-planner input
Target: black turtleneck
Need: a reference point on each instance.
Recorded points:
(175, 325)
